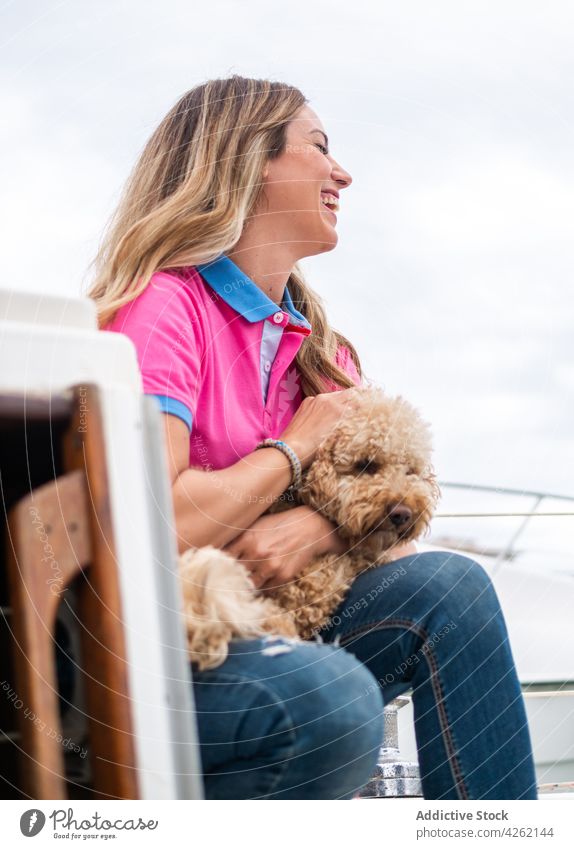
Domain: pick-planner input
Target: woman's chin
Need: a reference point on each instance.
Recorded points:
(319, 243)
(330, 239)
(332, 243)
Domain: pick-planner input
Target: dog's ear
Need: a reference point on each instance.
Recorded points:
(319, 488)
(286, 501)
(432, 481)
(304, 488)
(326, 450)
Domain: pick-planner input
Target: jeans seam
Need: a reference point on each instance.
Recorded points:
(446, 731)
(278, 702)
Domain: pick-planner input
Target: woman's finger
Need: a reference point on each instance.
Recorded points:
(257, 579)
(272, 581)
(251, 568)
(234, 548)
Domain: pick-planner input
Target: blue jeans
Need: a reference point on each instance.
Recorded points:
(286, 720)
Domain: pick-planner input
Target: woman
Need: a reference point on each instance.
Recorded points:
(199, 268)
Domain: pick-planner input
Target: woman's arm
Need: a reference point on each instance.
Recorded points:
(213, 507)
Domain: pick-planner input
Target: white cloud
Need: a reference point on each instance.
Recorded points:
(491, 202)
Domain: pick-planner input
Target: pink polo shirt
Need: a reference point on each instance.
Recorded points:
(218, 353)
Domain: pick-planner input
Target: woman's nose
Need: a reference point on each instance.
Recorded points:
(342, 177)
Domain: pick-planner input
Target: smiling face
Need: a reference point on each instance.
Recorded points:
(301, 189)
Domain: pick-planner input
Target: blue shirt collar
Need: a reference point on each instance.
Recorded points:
(242, 294)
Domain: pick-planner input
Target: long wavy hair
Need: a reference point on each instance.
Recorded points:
(196, 183)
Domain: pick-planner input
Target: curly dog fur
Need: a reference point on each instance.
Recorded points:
(372, 476)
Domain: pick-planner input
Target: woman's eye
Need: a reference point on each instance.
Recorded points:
(322, 148)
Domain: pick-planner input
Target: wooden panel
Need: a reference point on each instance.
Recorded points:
(63, 531)
(103, 642)
(48, 543)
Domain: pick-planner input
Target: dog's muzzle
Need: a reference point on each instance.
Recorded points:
(400, 516)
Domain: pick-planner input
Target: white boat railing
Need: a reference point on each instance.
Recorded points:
(507, 551)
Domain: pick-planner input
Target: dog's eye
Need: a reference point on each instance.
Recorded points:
(366, 466)
(411, 471)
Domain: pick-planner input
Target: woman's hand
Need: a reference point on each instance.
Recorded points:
(315, 418)
(278, 545)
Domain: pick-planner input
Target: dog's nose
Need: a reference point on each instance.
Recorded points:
(400, 516)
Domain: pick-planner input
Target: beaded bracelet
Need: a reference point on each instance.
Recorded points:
(291, 456)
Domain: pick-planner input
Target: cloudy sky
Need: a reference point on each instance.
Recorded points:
(453, 272)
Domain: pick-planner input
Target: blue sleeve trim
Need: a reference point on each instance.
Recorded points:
(174, 407)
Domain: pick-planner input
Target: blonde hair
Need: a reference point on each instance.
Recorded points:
(194, 186)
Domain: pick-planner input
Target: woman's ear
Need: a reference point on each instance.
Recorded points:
(265, 172)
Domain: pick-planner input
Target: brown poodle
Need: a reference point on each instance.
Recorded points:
(372, 477)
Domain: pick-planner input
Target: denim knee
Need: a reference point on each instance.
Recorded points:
(336, 708)
(299, 721)
(451, 583)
